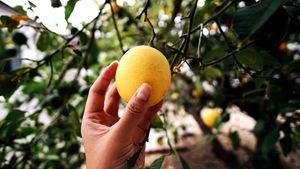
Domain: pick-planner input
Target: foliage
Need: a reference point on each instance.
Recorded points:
(221, 42)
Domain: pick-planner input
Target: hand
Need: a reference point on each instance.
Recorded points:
(109, 141)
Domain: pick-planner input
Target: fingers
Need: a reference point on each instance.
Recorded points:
(97, 92)
(134, 112)
(144, 124)
(111, 103)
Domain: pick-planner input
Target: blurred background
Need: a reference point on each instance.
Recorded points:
(234, 100)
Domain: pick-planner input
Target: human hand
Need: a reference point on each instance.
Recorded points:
(109, 141)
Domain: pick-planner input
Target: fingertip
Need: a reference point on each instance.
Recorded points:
(144, 92)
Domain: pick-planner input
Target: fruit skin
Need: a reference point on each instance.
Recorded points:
(209, 116)
(143, 64)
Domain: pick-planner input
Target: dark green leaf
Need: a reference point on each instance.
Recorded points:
(11, 123)
(157, 123)
(214, 53)
(8, 22)
(55, 3)
(69, 8)
(184, 164)
(157, 163)
(25, 131)
(34, 87)
(235, 139)
(45, 42)
(267, 59)
(269, 142)
(75, 120)
(8, 85)
(31, 4)
(248, 20)
(259, 127)
(286, 145)
(211, 73)
(250, 58)
(19, 38)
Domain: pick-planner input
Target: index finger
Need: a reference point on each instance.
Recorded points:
(97, 92)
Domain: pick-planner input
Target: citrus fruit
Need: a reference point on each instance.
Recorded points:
(209, 116)
(143, 64)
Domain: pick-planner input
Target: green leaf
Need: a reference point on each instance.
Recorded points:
(184, 164)
(250, 58)
(75, 120)
(235, 139)
(8, 22)
(157, 163)
(267, 59)
(69, 8)
(157, 123)
(31, 4)
(55, 3)
(34, 87)
(258, 128)
(214, 54)
(8, 85)
(269, 142)
(286, 145)
(211, 73)
(11, 123)
(248, 20)
(46, 42)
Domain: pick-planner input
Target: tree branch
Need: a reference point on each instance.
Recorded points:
(144, 11)
(116, 28)
(232, 53)
(64, 45)
(211, 18)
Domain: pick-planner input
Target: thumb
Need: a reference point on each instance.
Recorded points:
(134, 112)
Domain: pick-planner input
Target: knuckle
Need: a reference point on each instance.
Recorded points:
(134, 109)
(99, 91)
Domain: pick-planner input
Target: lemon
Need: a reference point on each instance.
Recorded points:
(209, 116)
(143, 64)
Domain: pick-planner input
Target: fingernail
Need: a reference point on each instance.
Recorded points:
(114, 62)
(144, 92)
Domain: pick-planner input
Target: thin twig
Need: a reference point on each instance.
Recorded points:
(191, 17)
(211, 18)
(91, 41)
(14, 58)
(42, 27)
(178, 54)
(151, 42)
(199, 45)
(232, 53)
(51, 72)
(223, 34)
(145, 12)
(64, 45)
(116, 28)
(65, 68)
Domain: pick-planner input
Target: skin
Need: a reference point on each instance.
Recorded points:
(109, 141)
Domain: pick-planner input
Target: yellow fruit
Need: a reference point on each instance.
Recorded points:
(143, 64)
(209, 116)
